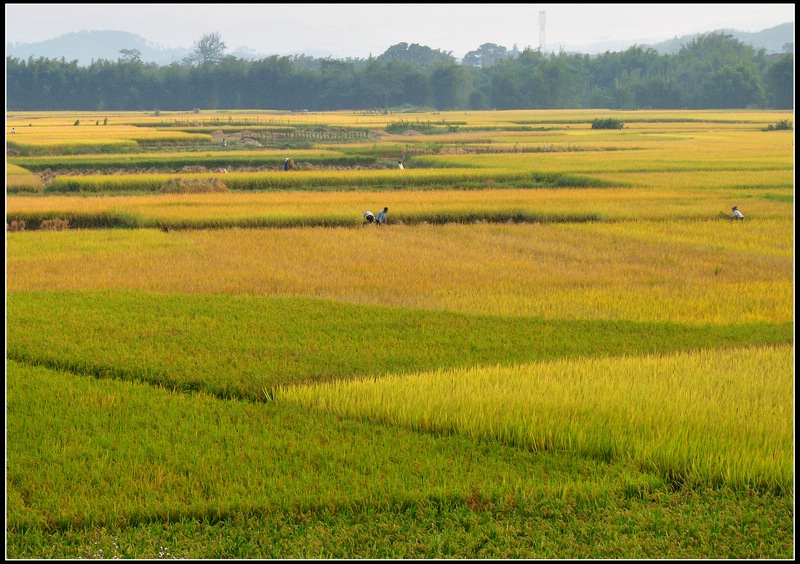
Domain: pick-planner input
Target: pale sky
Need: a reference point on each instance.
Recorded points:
(361, 30)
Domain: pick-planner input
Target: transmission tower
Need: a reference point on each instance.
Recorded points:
(541, 32)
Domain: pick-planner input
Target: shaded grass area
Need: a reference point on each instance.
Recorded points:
(662, 526)
(110, 469)
(111, 453)
(244, 347)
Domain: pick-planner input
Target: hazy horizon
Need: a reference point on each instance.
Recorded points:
(360, 31)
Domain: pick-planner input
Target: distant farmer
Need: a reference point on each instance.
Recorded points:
(224, 143)
(400, 164)
(736, 213)
(369, 217)
(13, 130)
(286, 163)
(381, 216)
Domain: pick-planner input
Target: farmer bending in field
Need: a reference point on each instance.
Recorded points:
(369, 217)
(381, 217)
(736, 213)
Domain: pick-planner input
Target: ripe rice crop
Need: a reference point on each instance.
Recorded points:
(702, 118)
(690, 272)
(20, 180)
(709, 426)
(306, 180)
(172, 159)
(583, 152)
(55, 140)
(344, 208)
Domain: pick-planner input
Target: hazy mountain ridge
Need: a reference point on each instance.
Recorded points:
(86, 46)
(774, 40)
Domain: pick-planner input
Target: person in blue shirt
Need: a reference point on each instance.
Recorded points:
(381, 216)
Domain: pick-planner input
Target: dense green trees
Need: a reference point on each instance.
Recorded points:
(779, 83)
(713, 71)
(486, 55)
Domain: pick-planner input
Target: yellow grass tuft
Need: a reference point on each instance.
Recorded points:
(193, 186)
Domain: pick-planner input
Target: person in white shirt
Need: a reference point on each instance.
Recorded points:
(736, 213)
(369, 217)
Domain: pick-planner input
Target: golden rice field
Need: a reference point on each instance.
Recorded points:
(515, 405)
(698, 272)
(523, 240)
(611, 204)
(379, 119)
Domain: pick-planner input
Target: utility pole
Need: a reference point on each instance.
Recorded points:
(541, 32)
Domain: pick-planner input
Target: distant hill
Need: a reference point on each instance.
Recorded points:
(86, 46)
(778, 39)
(774, 40)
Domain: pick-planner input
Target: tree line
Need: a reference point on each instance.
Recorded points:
(714, 71)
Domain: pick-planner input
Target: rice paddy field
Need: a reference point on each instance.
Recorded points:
(558, 346)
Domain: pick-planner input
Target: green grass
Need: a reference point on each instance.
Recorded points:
(236, 347)
(100, 468)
